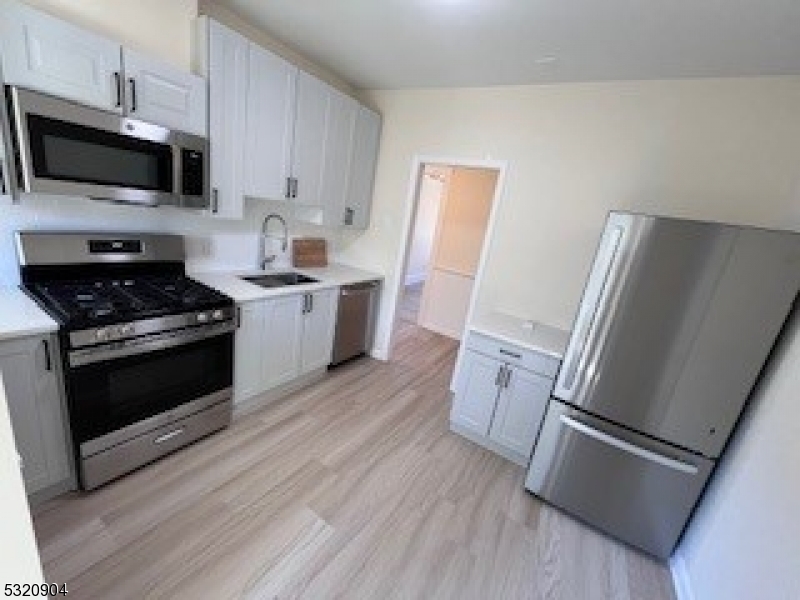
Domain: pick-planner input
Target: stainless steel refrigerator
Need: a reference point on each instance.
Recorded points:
(676, 322)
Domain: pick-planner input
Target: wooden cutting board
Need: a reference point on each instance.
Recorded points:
(310, 252)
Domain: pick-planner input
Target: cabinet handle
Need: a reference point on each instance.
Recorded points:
(215, 200)
(118, 86)
(499, 379)
(238, 317)
(511, 354)
(48, 364)
(349, 213)
(132, 81)
(288, 187)
(295, 185)
(311, 303)
(508, 378)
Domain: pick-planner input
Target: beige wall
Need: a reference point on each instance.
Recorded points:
(464, 220)
(716, 149)
(162, 28)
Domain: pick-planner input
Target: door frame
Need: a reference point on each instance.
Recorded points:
(418, 163)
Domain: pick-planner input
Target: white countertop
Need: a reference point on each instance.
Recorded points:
(20, 316)
(527, 334)
(230, 282)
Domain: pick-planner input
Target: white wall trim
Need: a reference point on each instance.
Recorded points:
(680, 577)
(415, 179)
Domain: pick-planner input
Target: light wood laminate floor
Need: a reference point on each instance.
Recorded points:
(351, 488)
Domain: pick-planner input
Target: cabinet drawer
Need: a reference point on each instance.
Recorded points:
(513, 354)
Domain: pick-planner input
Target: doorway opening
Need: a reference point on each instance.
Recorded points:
(451, 219)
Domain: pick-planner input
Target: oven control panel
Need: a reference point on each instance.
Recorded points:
(124, 331)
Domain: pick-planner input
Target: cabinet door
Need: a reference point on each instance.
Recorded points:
(34, 403)
(160, 93)
(282, 336)
(318, 327)
(520, 410)
(309, 142)
(270, 124)
(44, 53)
(366, 140)
(227, 84)
(476, 392)
(342, 111)
(248, 377)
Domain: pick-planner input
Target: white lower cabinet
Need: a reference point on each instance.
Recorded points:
(282, 338)
(28, 368)
(520, 409)
(318, 325)
(499, 403)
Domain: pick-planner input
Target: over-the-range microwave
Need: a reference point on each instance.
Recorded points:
(60, 147)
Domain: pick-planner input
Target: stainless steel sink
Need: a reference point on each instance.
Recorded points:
(273, 280)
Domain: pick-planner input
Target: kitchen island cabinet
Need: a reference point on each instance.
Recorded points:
(502, 387)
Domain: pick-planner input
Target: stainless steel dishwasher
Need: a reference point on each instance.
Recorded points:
(355, 320)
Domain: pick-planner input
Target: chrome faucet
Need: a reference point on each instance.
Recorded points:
(268, 260)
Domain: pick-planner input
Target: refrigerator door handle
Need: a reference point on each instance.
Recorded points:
(605, 438)
(588, 315)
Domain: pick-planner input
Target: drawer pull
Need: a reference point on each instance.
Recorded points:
(168, 436)
(511, 354)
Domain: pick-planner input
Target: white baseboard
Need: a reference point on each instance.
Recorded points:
(680, 577)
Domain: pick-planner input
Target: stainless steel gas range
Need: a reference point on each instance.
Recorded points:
(147, 352)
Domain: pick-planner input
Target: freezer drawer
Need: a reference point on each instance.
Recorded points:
(632, 487)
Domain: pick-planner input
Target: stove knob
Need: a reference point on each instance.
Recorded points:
(101, 334)
(202, 317)
(218, 315)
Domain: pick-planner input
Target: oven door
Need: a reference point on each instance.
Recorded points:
(113, 400)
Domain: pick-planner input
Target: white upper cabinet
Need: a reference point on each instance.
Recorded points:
(46, 54)
(222, 54)
(366, 140)
(311, 121)
(160, 93)
(342, 112)
(270, 124)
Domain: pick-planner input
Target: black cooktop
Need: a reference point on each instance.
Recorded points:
(93, 302)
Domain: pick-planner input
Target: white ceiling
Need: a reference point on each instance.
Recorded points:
(455, 43)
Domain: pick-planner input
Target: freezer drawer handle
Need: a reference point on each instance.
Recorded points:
(168, 436)
(628, 447)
